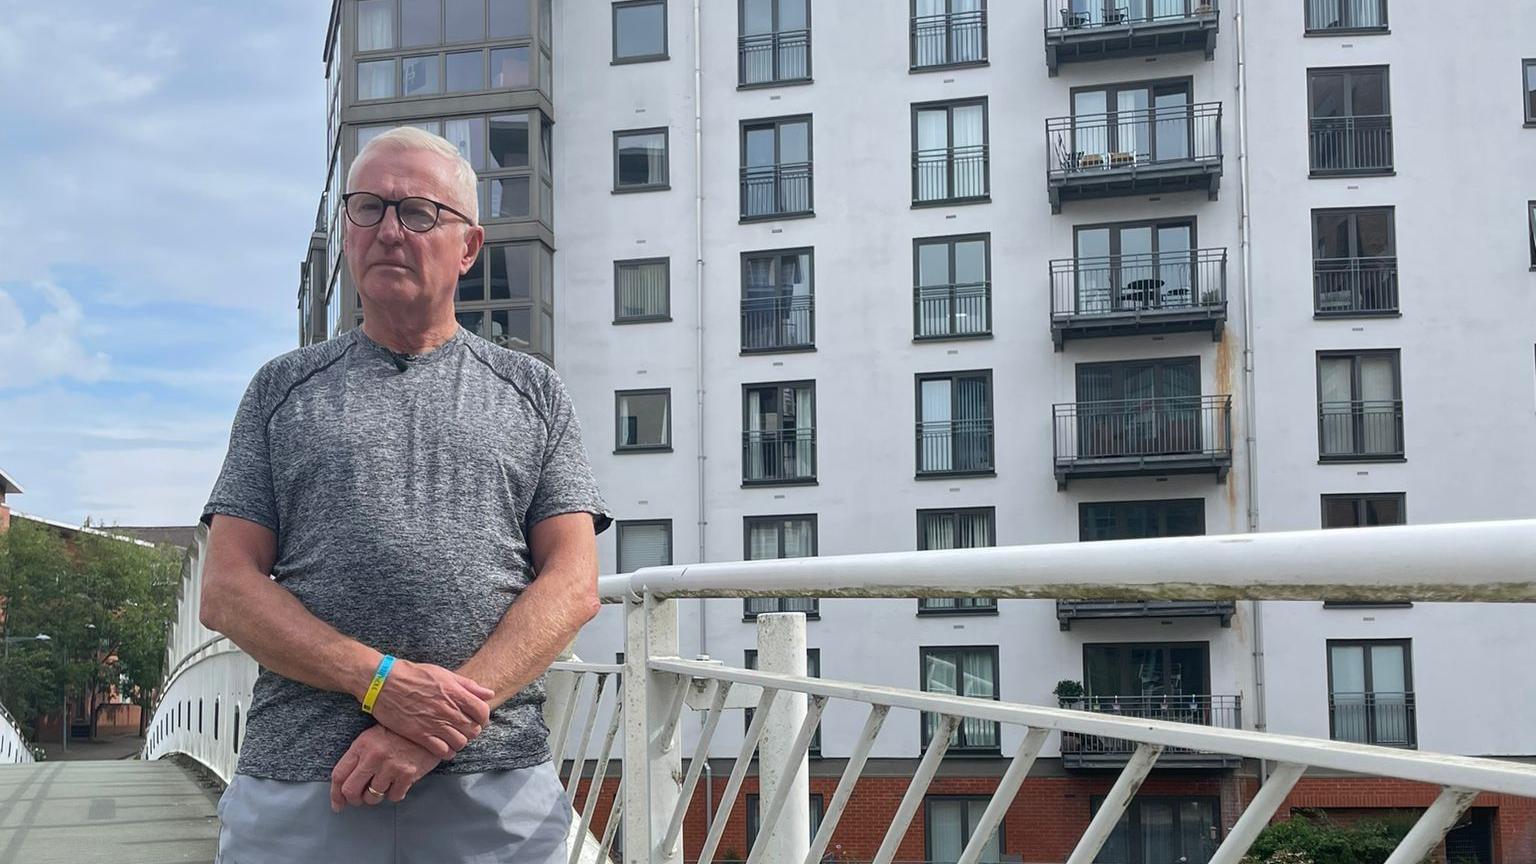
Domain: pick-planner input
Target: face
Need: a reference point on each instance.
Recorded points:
(394, 267)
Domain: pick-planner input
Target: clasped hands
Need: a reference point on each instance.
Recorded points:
(425, 715)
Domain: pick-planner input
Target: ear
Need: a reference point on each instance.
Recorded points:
(474, 238)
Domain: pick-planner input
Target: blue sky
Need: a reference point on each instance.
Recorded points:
(160, 165)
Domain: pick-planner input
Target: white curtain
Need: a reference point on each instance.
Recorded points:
(798, 539)
(932, 154)
(937, 429)
(1378, 391)
(376, 79)
(970, 161)
(946, 826)
(467, 135)
(979, 679)
(644, 546)
(939, 676)
(763, 542)
(643, 290)
(755, 443)
(1337, 391)
(805, 444)
(375, 25)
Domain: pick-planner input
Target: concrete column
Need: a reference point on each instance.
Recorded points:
(781, 648)
(653, 767)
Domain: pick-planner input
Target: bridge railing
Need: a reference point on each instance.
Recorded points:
(14, 749)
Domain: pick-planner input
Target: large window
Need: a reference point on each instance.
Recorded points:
(1359, 511)
(640, 160)
(1327, 16)
(1140, 408)
(754, 817)
(966, 528)
(1359, 406)
(497, 298)
(778, 310)
(1351, 121)
(642, 290)
(776, 168)
(639, 31)
(644, 420)
(429, 23)
(770, 537)
(948, 33)
(949, 152)
(952, 286)
(1125, 125)
(779, 433)
(1156, 669)
(1155, 830)
(954, 423)
(1528, 73)
(962, 671)
(774, 43)
(1128, 520)
(1370, 692)
(1354, 261)
(451, 72)
(948, 824)
(385, 26)
(644, 543)
(1136, 265)
(812, 670)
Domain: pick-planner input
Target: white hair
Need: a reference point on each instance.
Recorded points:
(410, 138)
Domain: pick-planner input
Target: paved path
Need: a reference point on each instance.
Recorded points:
(117, 747)
(115, 812)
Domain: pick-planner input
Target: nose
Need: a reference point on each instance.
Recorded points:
(389, 228)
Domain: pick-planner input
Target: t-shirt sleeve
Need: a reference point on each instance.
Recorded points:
(244, 488)
(566, 484)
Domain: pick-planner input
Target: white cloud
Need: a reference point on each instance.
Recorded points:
(47, 348)
(152, 486)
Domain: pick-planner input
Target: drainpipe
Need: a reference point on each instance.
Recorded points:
(1245, 251)
(698, 357)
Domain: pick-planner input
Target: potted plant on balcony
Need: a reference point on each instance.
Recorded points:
(1068, 693)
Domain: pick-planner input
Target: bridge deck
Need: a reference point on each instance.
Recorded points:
(122, 812)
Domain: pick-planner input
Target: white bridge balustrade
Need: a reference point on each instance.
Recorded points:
(1475, 562)
(14, 749)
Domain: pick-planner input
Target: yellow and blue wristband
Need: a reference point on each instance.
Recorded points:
(378, 683)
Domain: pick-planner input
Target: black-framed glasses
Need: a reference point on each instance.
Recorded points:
(365, 210)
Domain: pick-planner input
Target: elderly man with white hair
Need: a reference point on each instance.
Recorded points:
(403, 536)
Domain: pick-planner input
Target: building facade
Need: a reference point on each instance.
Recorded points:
(862, 276)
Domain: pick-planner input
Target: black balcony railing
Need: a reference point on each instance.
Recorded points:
(1114, 284)
(1141, 428)
(776, 190)
(777, 323)
(954, 446)
(1090, 144)
(1329, 15)
(1068, 611)
(756, 606)
(1355, 286)
(948, 311)
(1384, 719)
(1066, 15)
(768, 58)
(1222, 712)
(1361, 429)
(949, 40)
(778, 456)
(950, 174)
(1351, 145)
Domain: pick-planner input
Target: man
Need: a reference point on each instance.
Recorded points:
(403, 484)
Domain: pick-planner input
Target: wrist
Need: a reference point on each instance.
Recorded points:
(360, 667)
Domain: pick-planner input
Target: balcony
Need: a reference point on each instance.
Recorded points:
(954, 447)
(946, 40)
(776, 191)
(955, 311)
(1129, 295)
(1143, 438)
(785, 323)
(778, 457)
(1068, 611)
(1354, 287)
(1147, 151)
(765, 59)
(1360, 430)
(1085, 30)
(1325, 17)
(1383, 719)
(1080, 751)
(950, 175)
(1350, 146)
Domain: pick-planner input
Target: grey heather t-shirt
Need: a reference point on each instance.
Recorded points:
(402, 502)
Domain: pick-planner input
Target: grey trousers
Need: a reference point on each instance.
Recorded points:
(520, 815)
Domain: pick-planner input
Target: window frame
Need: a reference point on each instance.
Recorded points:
(613, 26)
(778, 123)
(1309, 30)
(1530, 227)
(967, 831)
(749, 661)
(912, 64)
(1084, 507)
(1407, 645)
(810, 253)
(808, 383)
(1529, 109)
(1119, 367)
(949, 106)
(1204, 685)
(618, 433)
(1348, 74)
(1132, 817)
(979, 605)
(666, 160)
(960, 748)
(1357, 355)
(746, 555)
(618, 266)
(949, 240)
(917, 412)
(618, 541)
(1360, 500)
(741, 18)
(752, 812)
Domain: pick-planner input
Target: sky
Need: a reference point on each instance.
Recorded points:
(160, 166)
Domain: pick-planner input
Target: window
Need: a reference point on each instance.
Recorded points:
(774, 42)
(466, 72)
(1126, 520)
(510, 67)
(968, 528)
(948, 824)
(779, 433)
(375, 25)
(1354, 261)
(1357, 511)
(1346, 15)
(962, 671)
(1530, 221)
(1351, 121)
(769, 537)
(645, 420)
(419, 76)
(496, 299)
(952, 286)
(1370, 692)
(1141, 408)
(776, 168)
(640, 160)
(949, 152)
(639, 31)
(1156, 829)
(1359, 406)
(948, 33)
(1528, 70)
(1134, 266)
(954, 423)
(464, 20)
(421, 23)
(754, 817)
(509, 18)
(642, 290)
(644, 544)
(777, 300)
(1131, 671)
(376, 80)
(1127, 125)
(812, 670)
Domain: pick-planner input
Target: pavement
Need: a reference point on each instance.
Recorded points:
(111, 811)
(117, 747)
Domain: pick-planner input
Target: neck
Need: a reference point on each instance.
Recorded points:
(409, 335)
